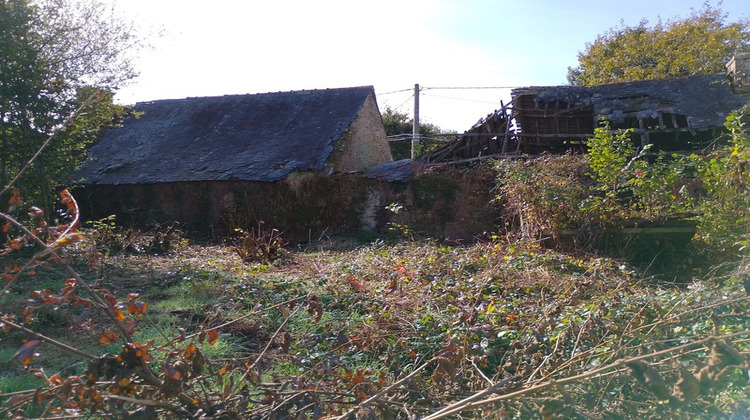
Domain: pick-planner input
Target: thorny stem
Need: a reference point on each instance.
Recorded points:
(48, 340)
(385, 390)
(461, 405)
(235, 320)
(268, 345)
(145, 371)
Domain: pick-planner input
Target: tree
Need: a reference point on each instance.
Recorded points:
(699, 44)
(59, 58)
(398, 123)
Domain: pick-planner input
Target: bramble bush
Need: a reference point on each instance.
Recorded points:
(612, 187)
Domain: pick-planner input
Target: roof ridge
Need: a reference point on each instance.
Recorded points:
(238, 95)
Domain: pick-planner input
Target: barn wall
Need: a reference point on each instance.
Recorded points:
(364, 144)
(451, 203)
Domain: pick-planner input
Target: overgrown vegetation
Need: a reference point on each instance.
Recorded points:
(505, 328)
(101, 321)
(381, 330)
(614, 188)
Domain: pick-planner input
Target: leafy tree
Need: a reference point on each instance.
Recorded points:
(699, 44)
(397, 123)
(60, 58)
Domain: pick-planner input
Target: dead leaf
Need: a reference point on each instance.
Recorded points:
(649, 377)
(314, 308)
(687, 387)
(15, 200)
(27, 351)
(285, 342)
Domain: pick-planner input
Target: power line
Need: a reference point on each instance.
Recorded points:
(472, 87)
(394, 91)
(463, 99)
(404, 103)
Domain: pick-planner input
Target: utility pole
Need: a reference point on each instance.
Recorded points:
(415, 127)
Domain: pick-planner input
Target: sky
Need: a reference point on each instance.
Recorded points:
(224, 47)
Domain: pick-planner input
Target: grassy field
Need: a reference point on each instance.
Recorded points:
(499, 329)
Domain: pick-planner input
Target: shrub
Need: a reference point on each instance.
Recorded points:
(261, 245)
(725, 214)
(612, 187)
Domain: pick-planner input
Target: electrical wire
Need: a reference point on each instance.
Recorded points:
(462, 99)
(395, 91)
(403, 103)
(469, 87)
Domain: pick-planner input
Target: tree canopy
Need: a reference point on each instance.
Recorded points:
(702, 43)
(396, 123)
(57, 55)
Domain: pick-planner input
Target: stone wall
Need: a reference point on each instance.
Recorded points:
(445, 204)
(364, 145)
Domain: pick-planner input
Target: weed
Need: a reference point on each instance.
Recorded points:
(260, 245)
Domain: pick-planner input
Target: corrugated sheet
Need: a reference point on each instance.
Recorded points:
(261, 137)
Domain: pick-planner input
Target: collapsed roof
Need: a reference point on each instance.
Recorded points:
(683, 113)
(669, 113)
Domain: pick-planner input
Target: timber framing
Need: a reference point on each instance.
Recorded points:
(676, 114)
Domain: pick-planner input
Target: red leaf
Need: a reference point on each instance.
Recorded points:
(130, 326)
(111, 299)
(356, 286)
(15, 200)
(108, 338)
(212, 337)
(118, 314)
(392, 286)
(137, 308)
(190, 351)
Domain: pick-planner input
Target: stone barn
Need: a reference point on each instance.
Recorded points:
(218, 163)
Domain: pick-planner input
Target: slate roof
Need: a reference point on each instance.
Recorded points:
(258, 137)
(705, 100)
(396, 171)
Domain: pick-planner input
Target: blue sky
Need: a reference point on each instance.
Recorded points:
(247, 46)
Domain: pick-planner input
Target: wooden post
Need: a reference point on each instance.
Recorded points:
(415, 126)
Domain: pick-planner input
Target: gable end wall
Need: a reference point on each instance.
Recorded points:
(364, 144)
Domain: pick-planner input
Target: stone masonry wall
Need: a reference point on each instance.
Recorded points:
(444, 204)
